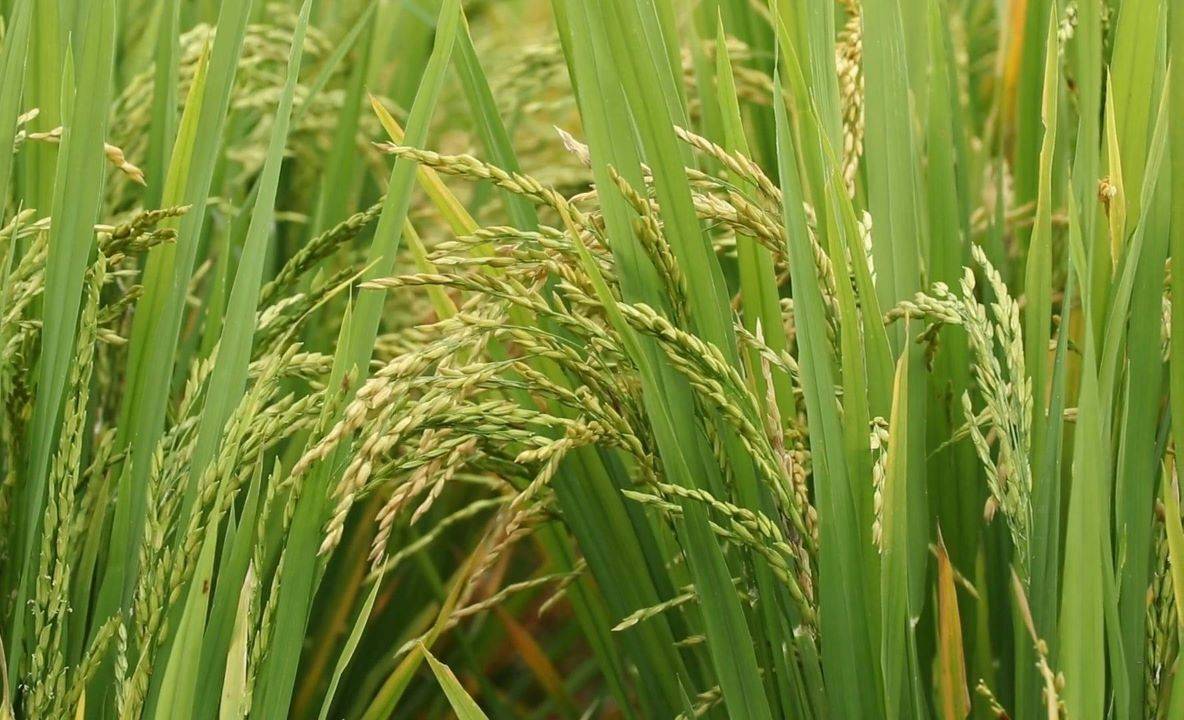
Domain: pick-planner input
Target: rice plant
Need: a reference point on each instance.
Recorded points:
(581, 359)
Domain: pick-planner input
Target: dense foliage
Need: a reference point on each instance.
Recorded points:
(639, 359)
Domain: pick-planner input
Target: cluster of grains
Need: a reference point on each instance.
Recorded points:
(1162, 623)
(849, 61)
(996, 341)
(879, 447)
